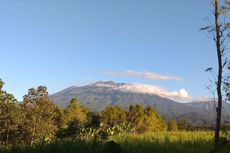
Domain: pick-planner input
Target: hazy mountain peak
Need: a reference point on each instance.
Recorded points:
(108, 84)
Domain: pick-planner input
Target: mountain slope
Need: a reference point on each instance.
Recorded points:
(101, 94)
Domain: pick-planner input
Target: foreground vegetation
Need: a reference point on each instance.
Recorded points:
(37, 120)
(171, 142)
(157, 142)
(37, 125)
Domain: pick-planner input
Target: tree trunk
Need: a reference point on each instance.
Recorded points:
(220, 69)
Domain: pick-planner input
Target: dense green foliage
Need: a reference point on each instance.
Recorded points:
(11, 118)
(145, 119)
(172, 125)
(41, 116)
(113, 115)
(74, 112)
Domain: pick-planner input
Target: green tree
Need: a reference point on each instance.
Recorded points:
(41, 116)
(11, 118)
(184, 125)
(153, 122)
(1, 85)
(136, 116)
(93, 120)
(172, 125)
(113, 115)
(75, 112)
(145, 119)
(60, 117)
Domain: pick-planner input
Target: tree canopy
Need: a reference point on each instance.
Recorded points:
(41, 115)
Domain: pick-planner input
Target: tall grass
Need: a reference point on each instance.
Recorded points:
(61, 146)
(161, 142)
(168, 142)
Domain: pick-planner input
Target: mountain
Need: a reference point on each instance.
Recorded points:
(209, 106)
(98, 95)
(203, 113)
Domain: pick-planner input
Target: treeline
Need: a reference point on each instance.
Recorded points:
(38, 120)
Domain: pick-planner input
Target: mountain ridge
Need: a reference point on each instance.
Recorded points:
(98, 95)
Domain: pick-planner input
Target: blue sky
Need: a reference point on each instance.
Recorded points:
(63, 43)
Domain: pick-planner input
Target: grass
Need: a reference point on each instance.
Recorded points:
(64, 146)
(167, 142)
(162, 142)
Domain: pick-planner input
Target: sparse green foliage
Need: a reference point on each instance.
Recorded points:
(219, 31)
(1, 84)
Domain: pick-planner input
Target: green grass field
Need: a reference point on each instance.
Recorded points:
(168, 142)
(162, 142)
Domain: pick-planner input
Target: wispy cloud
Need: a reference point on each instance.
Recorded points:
(145, 75)
(203, 99)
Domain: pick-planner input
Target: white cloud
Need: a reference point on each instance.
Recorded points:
(180, 95)
(145, 75)
(203, 99)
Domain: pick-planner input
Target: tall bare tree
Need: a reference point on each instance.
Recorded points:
(219, 32)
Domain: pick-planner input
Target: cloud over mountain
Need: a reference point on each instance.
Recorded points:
(97, 96)
(145, 75)
(178, 95)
